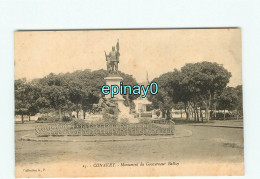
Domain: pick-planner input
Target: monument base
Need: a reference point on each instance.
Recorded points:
(118, 98)
(114, 80)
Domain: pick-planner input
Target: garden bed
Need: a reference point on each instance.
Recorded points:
(104, 129)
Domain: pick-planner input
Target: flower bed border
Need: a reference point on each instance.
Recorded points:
(105, 129)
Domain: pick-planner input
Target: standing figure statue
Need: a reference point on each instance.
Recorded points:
(113, 59)
(109, 67)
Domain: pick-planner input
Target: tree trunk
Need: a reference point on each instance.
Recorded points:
(224, 114)
(163, 114)
(215, 111)
(201, 115)
(207, 113)
(187, 112)
(168, 114)
(194, 114)
(29, 117)
(22, 119)
(60, 114)
(84, 114)
(187, 115)
(77, 114)
(181, 113)
(197, 113)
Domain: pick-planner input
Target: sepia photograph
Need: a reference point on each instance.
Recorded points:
(128, 103)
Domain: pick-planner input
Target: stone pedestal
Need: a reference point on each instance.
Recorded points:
(114, 80)
(124, 110)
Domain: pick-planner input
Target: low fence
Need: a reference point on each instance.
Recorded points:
(118, 129)
(146, 114)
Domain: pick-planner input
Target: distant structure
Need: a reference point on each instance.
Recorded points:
(141, 104)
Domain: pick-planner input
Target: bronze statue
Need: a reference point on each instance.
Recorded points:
(109, 67)
(113, 59)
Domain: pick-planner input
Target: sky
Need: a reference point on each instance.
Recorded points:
(39, 53)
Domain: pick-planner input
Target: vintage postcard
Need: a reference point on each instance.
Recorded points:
(128, 103)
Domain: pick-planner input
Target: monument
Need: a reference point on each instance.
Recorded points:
(114, 78)
(113, 59)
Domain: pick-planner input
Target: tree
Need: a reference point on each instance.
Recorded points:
(228, 100)
(57, 96)
(204, 81)
(167, 93)
(239, 105)
(179, 106)
(92, 84)
(196, 85)
(88, 100)
(20, 105)
(129, 80)
(172, 91)
(26, 95)
(162, 101)
(32, 94)
(63, 92)
(76, 95)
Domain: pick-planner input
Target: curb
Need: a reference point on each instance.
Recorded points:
(240, 127)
